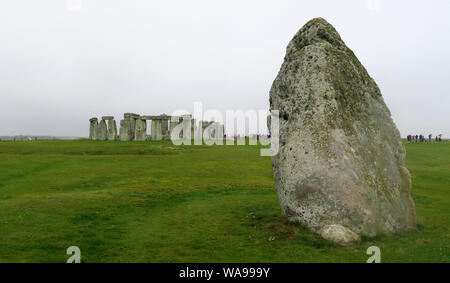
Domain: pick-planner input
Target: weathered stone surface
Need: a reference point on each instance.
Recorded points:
(156, 130)
(340, 168)
(108, 118)
(175, 121)
(140, 133)
(102, 131)
(193, 127)
(165, 129)
(339, 234)
(125, 128)
(112, 129)
(158, 117)
(131, 115)
(128, 126)
(93, 129)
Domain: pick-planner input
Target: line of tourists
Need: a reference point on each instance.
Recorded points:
(421, 138)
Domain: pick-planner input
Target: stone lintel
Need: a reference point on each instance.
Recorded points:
(131, 115)
(108, 118)
(160, 117)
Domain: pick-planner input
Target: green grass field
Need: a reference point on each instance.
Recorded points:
(152, 202)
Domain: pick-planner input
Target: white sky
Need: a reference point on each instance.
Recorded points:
(59, 67)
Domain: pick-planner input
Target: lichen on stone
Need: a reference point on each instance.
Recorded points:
(334, 120)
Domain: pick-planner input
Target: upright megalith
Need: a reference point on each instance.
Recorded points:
(128, 126)
(174, 122)
(112, 128)
(165, 127)
(157, 130)
(160, 127)
(102, 131)
(132, 117)
(140, 133)
(93, 128)
(124, 130)
(340, 169)
(187, 119)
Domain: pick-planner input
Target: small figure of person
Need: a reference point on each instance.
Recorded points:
(429, 137)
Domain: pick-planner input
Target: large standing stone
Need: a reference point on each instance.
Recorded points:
(102, 131)
(93, 128)
(165, 129)
(124, 131)
(193, 132)
(157, 130)
(160, 127)
(132, 117)
(140, 130)
(340, 169)
(112, 128)
(128, 126)
(175, 121)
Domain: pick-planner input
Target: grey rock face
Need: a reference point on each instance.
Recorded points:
(165, 129)
(131, 117)
(128, 126)
(174, 122)
(124, 131)
(189, 127)
(112, 129)
(140, 130)
(160, 127)
(340, 169)
(157, 130)
(93, 129)
(102, 131)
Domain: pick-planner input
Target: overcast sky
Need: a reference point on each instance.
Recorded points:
(60, 65)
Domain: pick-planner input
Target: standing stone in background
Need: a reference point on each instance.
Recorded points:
(188, 119)
(131, 117)
(112, 128)
(102, 131)
(140, 130)
(156, 130)
(160, 127)
(93, 128)
(165, 127)
(128, 126)
(340, 169)
(174, 121)
(124, 131)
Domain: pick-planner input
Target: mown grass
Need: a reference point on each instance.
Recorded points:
(154, 202)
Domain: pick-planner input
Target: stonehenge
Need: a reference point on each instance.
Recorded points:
(133, 127)
(102, 131)
(128, 126)
(93, 128)
(112, 128)
(140, 132)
